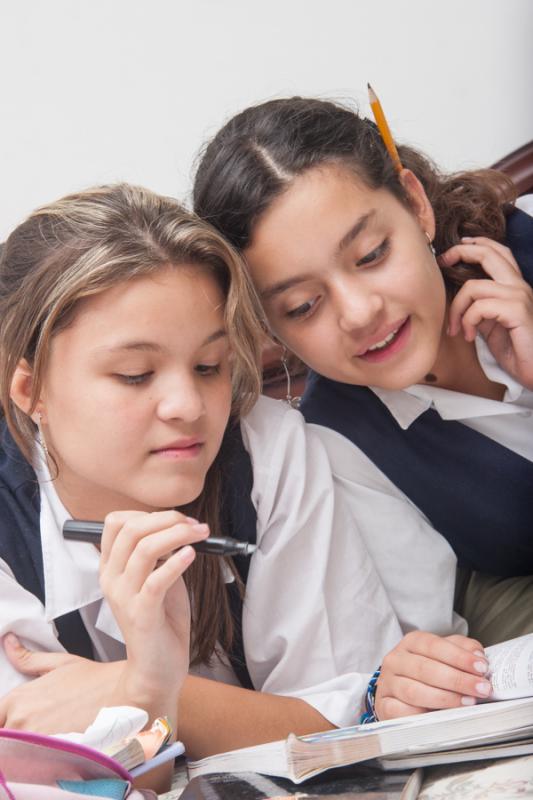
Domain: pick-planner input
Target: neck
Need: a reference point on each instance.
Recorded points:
(89, 501)
(457, 368)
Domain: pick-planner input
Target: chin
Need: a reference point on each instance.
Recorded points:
(168, 497)
(173, 499)
(402, 379)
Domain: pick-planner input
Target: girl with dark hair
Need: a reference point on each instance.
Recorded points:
(408, 295)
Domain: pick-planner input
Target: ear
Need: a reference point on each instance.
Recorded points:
(21, 388)
(419, 200)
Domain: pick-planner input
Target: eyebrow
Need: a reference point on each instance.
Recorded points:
(152, 347)
(355, 230)
(283, 286)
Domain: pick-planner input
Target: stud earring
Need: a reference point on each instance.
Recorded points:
(430, 243)
(41, 435)
(294, 402)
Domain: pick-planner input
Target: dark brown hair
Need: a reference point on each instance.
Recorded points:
(258, 153)
(85, 244)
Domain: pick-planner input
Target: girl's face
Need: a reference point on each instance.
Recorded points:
(347, 279)
(137, 394)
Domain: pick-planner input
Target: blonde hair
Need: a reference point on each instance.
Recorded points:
(83, 245)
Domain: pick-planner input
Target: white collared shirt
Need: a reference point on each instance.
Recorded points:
(330, 589)
(508, 422)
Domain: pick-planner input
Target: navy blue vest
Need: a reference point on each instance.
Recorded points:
(474, 491)
(20, 541)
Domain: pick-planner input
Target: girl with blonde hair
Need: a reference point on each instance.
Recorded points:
(129, 347)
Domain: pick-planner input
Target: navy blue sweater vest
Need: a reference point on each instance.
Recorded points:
(20, 540)
(474, 491)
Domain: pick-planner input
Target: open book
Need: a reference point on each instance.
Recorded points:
(488, 730)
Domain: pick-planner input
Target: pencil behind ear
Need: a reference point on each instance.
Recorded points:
(419, 202)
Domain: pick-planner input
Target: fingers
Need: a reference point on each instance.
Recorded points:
(426, 672)
(429, 684)
(32, 663)
(480, 300)
(390, 708)
(140, 541)
(139, 523)
(160, 580)
(495, 259)
(457, 651)
(140, 544)
(467, 643)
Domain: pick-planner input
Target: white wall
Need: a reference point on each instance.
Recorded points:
(105, 90)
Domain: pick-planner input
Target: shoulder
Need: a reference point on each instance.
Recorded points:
(287, 456)
(267, 425)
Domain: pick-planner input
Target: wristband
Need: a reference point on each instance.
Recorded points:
(370, 700)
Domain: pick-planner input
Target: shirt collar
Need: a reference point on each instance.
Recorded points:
(408, 404)
(70, 568)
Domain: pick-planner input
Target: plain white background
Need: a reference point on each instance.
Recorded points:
(95, 91)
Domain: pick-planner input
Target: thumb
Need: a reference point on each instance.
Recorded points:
(30, 662)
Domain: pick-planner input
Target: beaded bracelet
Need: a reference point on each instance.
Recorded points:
(370, 700)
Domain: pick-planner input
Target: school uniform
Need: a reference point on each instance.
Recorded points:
(466, 462)
(324, 597)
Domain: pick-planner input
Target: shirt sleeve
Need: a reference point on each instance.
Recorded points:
(415, 563)
(22, 613)
(317, 619)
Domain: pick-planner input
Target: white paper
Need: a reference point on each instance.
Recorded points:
(111, 725)
(511, 668)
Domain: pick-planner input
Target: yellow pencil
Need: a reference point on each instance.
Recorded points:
(384, 129)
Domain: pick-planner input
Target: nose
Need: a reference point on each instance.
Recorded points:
(359, 308)
(181, 399)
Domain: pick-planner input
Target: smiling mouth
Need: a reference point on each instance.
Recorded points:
(392, 342)
(387, 340)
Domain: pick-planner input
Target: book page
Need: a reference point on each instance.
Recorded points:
(511, 668)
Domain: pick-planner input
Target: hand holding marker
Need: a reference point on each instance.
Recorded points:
(90, 531)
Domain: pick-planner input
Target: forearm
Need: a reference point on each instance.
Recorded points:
(214, 717)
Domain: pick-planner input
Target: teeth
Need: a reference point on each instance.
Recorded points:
(387, 340)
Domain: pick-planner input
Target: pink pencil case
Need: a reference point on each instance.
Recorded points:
(37, 767)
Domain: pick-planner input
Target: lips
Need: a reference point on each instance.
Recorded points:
(387, 342)
(181, 448)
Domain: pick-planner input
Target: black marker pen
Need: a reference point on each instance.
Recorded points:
(81, 530)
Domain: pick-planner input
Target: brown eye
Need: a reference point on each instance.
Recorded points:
(303, 310)
(374, 255)
(208, 369)
(134, 380)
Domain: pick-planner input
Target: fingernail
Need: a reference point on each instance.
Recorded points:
(11, 640)
(483, 688)
(190, 519)
(481, 666)
(467, 238)
(479, 653)
(468, 701)
(201, 527)
(188, 553)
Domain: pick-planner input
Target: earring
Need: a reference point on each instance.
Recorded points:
(294, 402)
(430, 243)
(41, 435)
